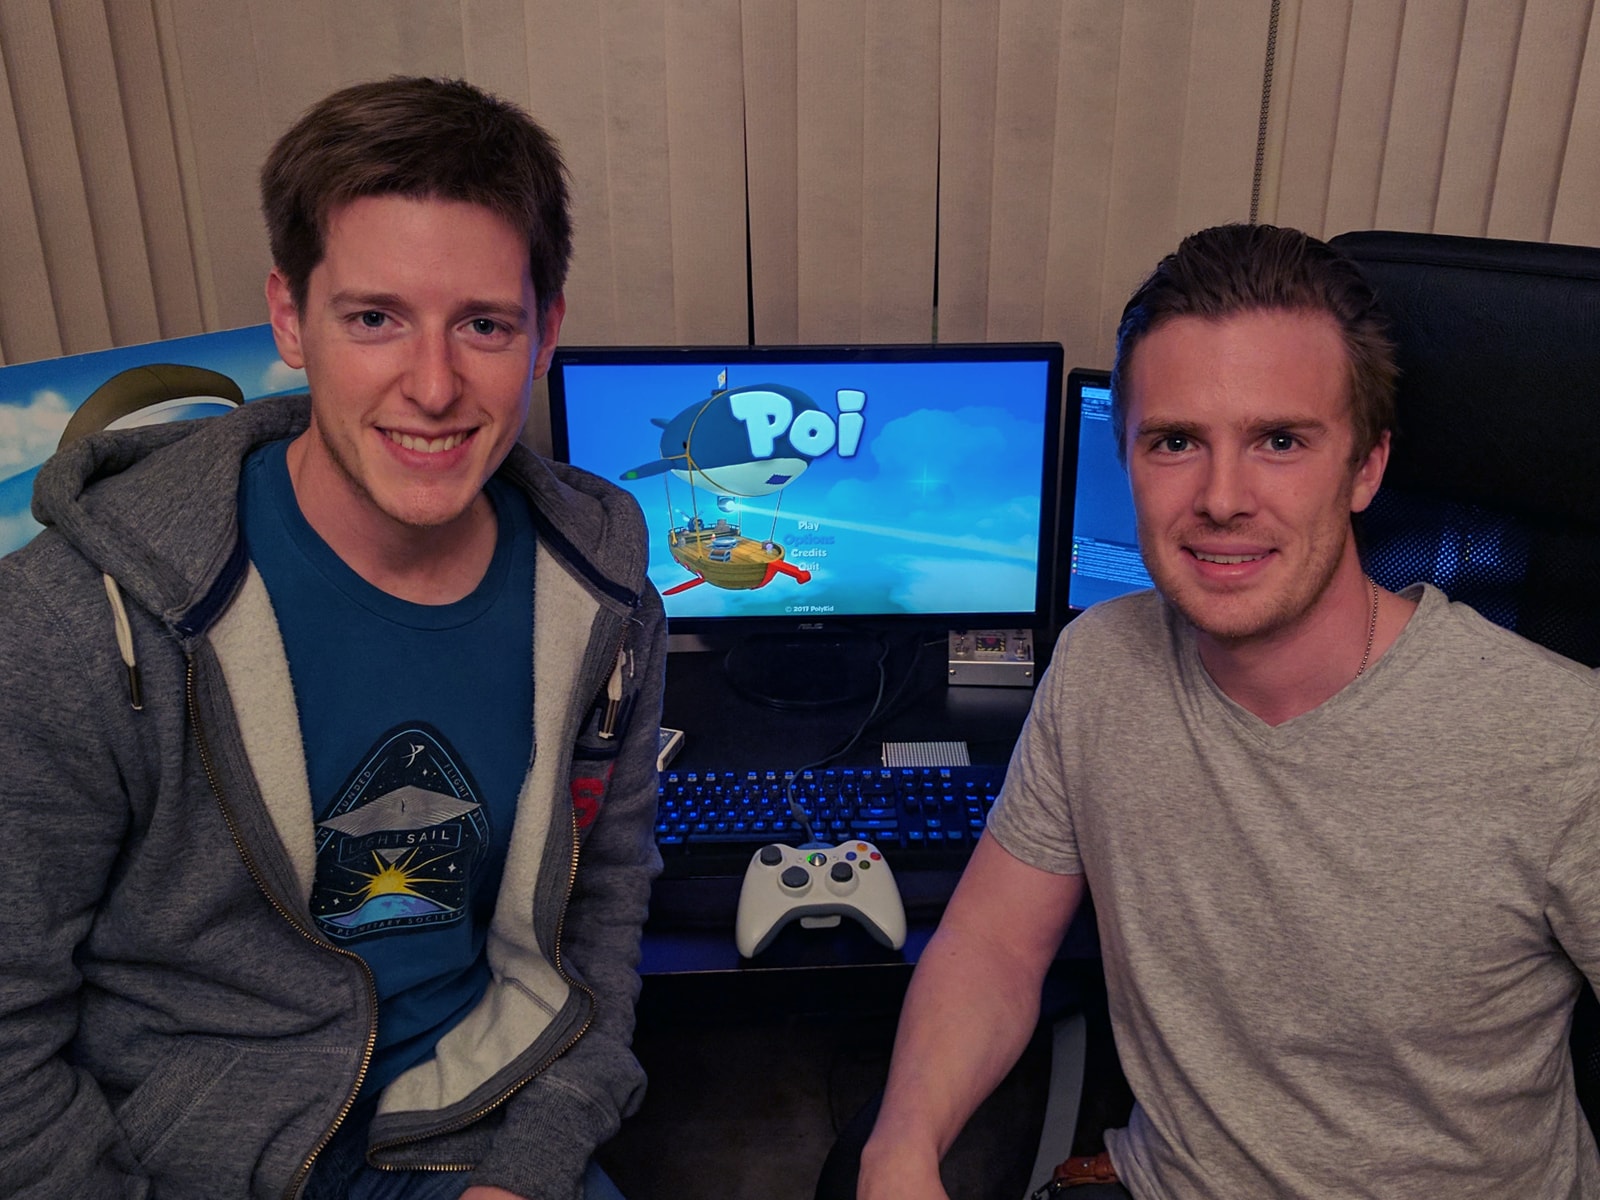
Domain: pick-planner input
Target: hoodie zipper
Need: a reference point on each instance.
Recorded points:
(607, 728)
(207, 765)
(479, 1114)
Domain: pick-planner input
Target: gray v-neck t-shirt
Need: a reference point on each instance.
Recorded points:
(1342, 952)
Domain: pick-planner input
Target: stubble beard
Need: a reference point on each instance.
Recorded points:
(1235, 621)
(417, 517)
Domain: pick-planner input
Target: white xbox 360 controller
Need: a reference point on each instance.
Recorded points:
(817, 885)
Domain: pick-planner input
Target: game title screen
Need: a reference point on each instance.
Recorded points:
(813, 490)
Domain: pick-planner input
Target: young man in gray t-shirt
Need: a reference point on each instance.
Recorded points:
(1344, 844)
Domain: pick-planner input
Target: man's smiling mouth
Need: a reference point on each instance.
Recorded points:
(425, 445)
(1226, 560)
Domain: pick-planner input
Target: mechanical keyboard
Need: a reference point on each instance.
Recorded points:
(922, 818)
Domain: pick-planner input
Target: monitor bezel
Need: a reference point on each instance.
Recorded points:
(1072, 416)
(1078, 378)
(1050, 354)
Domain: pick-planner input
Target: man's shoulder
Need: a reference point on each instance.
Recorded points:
(1136, 620)
(1461, 631)
(1124, 645)
(1468, 666)
(564, 482)
(47, 573)
(569, 495)
(154, 507)
(589, 516)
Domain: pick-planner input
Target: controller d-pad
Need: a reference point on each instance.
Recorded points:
(771, 856)
(841, 872)
(795, 877)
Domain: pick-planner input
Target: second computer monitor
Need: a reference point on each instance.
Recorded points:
(1100, 552)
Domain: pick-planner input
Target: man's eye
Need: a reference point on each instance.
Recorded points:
(1173, 443)
(372, 319)
(1282, 442)
(485, 326)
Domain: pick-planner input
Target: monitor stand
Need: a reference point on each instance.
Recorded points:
(804, 670)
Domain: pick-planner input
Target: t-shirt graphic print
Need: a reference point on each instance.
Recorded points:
(400, 847)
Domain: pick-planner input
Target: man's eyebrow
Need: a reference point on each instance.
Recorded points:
(1256, 428)
(509, 310)
(1157, 425)
(355, 299)
(1286, 424)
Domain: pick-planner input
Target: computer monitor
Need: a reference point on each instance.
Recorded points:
(1101, 558)
(805, 490)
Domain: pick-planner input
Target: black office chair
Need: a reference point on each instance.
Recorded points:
(1493, 486)
(1492, 491)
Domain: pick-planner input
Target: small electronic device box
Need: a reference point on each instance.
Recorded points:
(991, 657)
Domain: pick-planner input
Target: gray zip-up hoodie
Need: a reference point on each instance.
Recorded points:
(171, 1023)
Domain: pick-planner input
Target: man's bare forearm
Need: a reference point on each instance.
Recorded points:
(971, 1008)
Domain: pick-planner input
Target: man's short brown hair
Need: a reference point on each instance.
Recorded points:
(424, 138)
(1231, 269)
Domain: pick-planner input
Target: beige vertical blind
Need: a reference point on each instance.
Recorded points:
(646, 100)
(842, 105)
(131, 135)
(94, 248)
(1079, 142)
(1470, 117)
(798, 170)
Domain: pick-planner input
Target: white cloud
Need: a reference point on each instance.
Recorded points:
(29, 432)
(952, 585)
(281, 377)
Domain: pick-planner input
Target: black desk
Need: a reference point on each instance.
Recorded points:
(723, 730)
(690, 936)
(804, 1029)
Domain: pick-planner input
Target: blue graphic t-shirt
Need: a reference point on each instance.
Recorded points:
(417, 725)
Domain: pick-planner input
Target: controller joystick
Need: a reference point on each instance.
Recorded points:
(817, 885)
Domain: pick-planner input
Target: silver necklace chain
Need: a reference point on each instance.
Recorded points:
(1372, 627)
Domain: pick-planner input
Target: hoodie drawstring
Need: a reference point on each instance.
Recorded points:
(119, 619)
(608, 722)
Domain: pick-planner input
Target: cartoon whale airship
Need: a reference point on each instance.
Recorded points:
(709, 447)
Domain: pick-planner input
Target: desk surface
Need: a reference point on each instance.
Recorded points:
(724, 730)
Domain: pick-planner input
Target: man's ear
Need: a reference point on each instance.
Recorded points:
(1369, 474)
(285, 317)
(549, 334)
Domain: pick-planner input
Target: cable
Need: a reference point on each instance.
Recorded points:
(795, 807)
(1266, 110)
(900, 695)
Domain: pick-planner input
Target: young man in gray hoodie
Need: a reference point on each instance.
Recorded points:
(331, 725)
